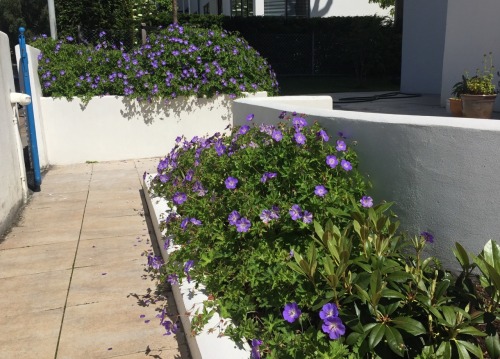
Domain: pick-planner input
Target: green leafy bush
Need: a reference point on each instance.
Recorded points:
(276, 224)
(176, 61)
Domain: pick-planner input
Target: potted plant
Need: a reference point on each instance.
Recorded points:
(455, 102)
(479, 92)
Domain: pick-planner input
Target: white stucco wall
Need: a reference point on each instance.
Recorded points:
(472, 29)
(442, 174)
(12, 187)
(36, 94)
(327, 8)
(424, 30)
(115, 128)
(442, 39)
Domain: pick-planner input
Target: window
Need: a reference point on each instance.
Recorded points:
(287, 8)
(242, 7)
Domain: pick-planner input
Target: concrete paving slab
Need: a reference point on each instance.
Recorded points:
(48, 198)
(92, 252)
(112, 328)
(27, 236)
(108, 282)
(36, 259)
(113, 165)
(49, 289)
(99, 227)
(32, 336)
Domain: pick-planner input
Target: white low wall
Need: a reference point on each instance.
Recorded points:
(115, 128)
(442, 173)
(12, 178)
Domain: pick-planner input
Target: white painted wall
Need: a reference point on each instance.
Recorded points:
(472, 29)
(115, 128)
(442, 174)
(327, 8)
(442, 39)
(424, 31)
(12, 188)
(36, 94)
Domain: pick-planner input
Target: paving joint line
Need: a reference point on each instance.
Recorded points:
(73, 265)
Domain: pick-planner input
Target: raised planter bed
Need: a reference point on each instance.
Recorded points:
(205, 345)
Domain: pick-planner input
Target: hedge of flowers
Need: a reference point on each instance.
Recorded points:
(176, 61)
(275, 221)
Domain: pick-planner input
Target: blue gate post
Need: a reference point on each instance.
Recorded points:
(29, 110)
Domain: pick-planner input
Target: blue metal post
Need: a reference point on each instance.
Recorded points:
(29, 111)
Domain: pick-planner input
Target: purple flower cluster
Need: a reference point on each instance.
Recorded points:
(267, 215)
(155, 262)
(297, 213)
(332, 324)
(429, 238)
(242, 224)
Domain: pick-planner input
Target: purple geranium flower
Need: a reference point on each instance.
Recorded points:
(184, 223)
(277, 135)
(291, 312)
(366, 201)
(265, 216)
(295, 212)
(255, 348)
(323, 135)
(187, 267)
(195, 221)
(346, 165)
(231, 182)
(268, 175)
(250, 117)
(341, 146)
(233, 217)
(299, 122)
(244, 129)
(179, 198)
(429, 238)
(155, 262)
(299, 138)
(243, 225)
(333, 327)
(320, 191)
(328, 311)
(307, 217)
(332, 161)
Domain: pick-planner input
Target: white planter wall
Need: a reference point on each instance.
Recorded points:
(442, 173)
(12, 178)
(116, 128)
(112, 128)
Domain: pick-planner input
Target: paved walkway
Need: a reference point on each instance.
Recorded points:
(68, 266)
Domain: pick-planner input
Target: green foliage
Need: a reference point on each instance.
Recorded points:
(113, 16)
(174, 62)
(392, 301)
(482, 83)
(247, 271)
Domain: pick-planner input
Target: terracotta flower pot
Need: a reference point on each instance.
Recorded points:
(478, 106)
(456, 107)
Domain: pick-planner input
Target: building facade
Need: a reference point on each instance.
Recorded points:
(287, 8)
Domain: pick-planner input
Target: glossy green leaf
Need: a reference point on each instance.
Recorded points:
(493, 346)
(376, 335)
(441, 289)
(472, 331)
(449, 315)
(462, 350)
(444, 350)
(474, 349)
(461, 255)
(409, 325)
(394, 340)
